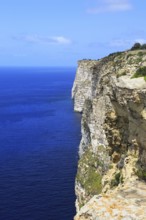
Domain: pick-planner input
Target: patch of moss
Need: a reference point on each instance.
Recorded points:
(88, 174)
(101, 148)
(111, 166)
(81, 205)
(141, 72)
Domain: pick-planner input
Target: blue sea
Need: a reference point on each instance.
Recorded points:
(39, 138)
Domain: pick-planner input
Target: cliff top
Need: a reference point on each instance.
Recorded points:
(111, 177)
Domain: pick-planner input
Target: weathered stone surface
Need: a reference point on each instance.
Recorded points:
(129, 203)
(113, 145)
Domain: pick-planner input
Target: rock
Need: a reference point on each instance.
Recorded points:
(124, 204)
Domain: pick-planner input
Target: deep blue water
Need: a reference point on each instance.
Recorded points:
(39, 138)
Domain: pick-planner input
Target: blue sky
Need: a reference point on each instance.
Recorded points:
(60, 32)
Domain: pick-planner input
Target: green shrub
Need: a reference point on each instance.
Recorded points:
(136, 46)
(143, 46)
(141, 72)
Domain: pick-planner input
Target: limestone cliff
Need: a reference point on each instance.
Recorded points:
(111, 94)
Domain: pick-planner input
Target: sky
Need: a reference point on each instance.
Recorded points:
(61, 32)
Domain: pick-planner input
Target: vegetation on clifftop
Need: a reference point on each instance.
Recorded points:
(138, 46)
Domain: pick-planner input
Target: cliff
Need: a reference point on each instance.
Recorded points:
(111, 176)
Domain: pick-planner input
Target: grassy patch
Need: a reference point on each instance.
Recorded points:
(129, 55)
(93, 182)
(138, 60)
(141, 72)
(140, 53)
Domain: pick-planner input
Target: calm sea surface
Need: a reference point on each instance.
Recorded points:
(39, 138)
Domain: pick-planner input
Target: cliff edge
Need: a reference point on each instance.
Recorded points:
(111, 176)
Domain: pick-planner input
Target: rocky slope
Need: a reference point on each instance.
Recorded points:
(111, 94)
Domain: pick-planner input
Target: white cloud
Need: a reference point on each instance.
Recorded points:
(61, 40)
(36, 39)
(110, 6)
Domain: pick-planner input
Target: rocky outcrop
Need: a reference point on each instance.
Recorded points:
(82, 88)
(112, 150)
(128, 203)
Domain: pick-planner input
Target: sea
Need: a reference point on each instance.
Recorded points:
(39, 139)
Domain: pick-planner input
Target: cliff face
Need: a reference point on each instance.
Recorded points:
(112, 150)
